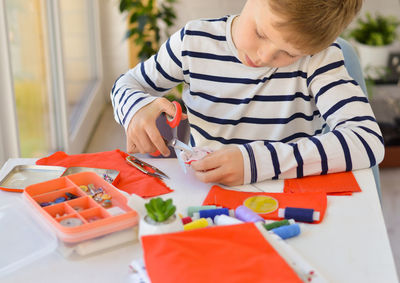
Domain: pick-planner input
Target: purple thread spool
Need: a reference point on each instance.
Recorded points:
(247, 215)
(213, 212)
(299, 214)
(287, 231)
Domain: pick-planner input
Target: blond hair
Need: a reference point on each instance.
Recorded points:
(312, 25)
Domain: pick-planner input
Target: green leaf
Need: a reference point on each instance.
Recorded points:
(144, 17)
(160, 210)
(375, 30)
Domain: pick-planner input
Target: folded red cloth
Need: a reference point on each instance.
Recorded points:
(232, 199)
(223, 254)
(130, 179)
(343, 183)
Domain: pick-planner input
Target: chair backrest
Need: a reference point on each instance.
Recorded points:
(354, 69)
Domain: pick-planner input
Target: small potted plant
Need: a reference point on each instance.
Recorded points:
(373, 38)
(160, 218)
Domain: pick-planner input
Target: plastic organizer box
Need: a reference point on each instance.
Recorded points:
(81, 206)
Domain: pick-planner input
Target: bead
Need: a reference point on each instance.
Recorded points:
(60, 199)
(84, 188)
(107, 203)
(106, 196)
(71, 196)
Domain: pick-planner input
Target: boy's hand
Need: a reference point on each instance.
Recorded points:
(142, 135)
(224, 166)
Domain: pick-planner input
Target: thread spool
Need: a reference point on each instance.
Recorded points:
(226, 220)
(247, 215)
(299, 214)
(186, 220)
(287, 231)
(192, 209)
(276, 224)
(199, 223)
(211, 213)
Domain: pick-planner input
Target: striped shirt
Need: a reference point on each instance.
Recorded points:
(276, 116)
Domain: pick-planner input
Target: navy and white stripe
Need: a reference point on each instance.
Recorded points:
(276, 116)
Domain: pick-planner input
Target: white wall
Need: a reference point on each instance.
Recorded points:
(194, 9)
(114, 46)
(385, 7)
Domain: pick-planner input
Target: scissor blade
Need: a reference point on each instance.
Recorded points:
(181, 163)
(140, 164)
(177, 144)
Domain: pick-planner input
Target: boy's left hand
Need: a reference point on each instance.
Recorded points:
(224, 166)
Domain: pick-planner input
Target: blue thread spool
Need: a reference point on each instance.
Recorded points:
(245, 214)
(287, 231)
(193, 209)
(211, 213)
(299, 214)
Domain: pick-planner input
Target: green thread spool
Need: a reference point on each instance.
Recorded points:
(192, 209)
(277, 224)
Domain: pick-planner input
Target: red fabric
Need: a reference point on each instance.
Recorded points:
(130, 179)
(223, 254)
(232, 199)
(333, 184)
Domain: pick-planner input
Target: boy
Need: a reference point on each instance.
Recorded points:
(260, 88)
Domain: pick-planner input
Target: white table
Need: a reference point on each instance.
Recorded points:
(350, 245)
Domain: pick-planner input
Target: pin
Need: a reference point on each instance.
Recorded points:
(107, 178)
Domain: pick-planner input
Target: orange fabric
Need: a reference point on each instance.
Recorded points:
(232, 199)
(130, 179)
(334, 184)
(223, 254)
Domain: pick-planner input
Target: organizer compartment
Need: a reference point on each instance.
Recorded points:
(52, 198)
(48, 186)
(88, 178)
(82, 203)
(59, 210)
(94, 214)
(71, 221)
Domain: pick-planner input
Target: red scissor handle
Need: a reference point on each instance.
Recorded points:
(172, 121)
(176, 119)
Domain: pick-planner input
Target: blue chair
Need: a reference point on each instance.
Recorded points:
(353, 66)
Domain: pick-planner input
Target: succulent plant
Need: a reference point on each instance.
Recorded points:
(375, 30)
(160, 210)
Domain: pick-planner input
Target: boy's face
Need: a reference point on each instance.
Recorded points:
(258, 42)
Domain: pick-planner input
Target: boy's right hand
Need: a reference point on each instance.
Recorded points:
(142, 135)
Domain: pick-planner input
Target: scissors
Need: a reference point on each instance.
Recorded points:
(141, 165)
(175, 143)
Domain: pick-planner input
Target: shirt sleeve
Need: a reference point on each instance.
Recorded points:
(352, 139)
(148, 80)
